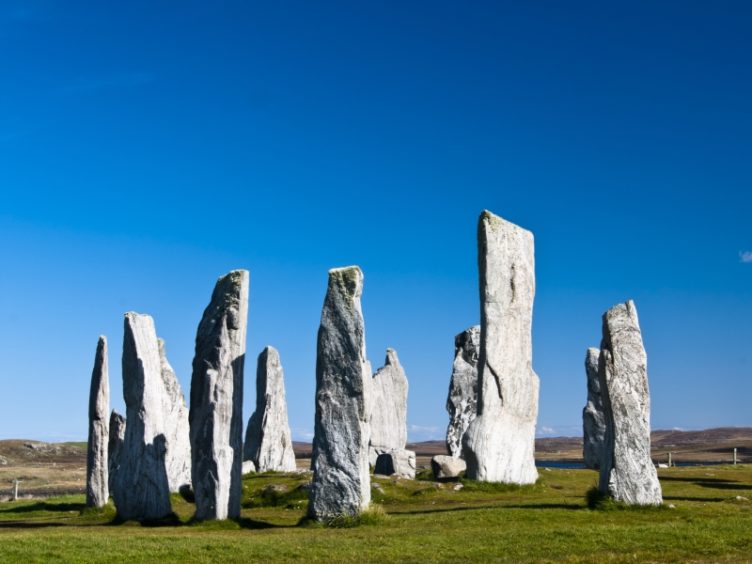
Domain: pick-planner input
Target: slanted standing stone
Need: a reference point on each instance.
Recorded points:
(593, 418)
(178, 453)
(216, 417)
(500, 442)
(626, 473)
(115, 446)
(268, 442)
(142, 491)
(463, 388)
(341, 480)
(97, 481)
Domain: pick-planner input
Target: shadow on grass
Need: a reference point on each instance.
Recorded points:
(690, 498)
(566, 506)
(690, 479)
(44, 506)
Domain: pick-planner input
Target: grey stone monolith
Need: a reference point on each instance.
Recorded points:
(341, 479)
(499, 444)
(462, 399)
(216, 417)
(593, 418)
(268, 442)
(627, 472)
(115, 446)
(176, 431)
(97, 472)
(142, 490)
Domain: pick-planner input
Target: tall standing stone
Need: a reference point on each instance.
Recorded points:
(268, 442)
(115, 447)
(593, 418)
(463, 388)
(178, 453)
(500, 442)
(627, 472)
(142, 490)
(216, 417)
(341, 479)
(97, 474)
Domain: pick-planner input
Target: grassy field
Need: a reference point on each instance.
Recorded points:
(417, 521)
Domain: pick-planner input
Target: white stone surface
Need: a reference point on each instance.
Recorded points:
(341, 479)
(389, 414)
(216, 417)
(499, 444)
(444, 466)
(463, 388)
(593, 418)
(115, 446)
(627, 473)
(398, 462)
(268, 442)
(97, 471)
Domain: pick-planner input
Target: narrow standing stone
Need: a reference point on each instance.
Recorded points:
(216, 417)
(176, 430)
(115, 446)
(462, 399)
(268, 442)
(142, 491)
(627, 472)
(593, 418)
(341, 479)
(97, 475)
(500, 442)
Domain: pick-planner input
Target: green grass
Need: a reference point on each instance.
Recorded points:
(412, 520)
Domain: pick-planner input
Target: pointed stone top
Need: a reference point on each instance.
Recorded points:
(621, 316)
(135, 314)
(348, 278)
(102, 339)
(391, 357)
(496, 222)
(270, 350)
(593, 351)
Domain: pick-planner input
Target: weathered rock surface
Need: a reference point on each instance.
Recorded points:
(444, 466)
(115, 446)
(248, 467)
(398, 462)
(593, 418)
(176, 431)
(627, 473)
(499, 444)
(268, 442)
(216, 424)
(463, 388)
(341, 480)
(142, 491)
(97, 472)
(389, 407)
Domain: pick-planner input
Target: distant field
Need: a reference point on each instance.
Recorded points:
(420, 521)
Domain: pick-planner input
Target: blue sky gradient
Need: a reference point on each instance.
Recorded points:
(148, 147)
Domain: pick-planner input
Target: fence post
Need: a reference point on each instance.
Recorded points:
(734, 456)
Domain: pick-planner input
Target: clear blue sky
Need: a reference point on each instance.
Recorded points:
(148, 147)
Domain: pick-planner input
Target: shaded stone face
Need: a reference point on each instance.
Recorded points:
(593, 418)
(97, 471)
(115, 446)
(389, 414)
(627, 472)
(399, 462)
(499, 443)
(142, 490)
(268, 443)
(463, 388)
(341, 480)
(216, 424)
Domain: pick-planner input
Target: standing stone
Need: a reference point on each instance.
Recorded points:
(115, 446)
(97, 475)
(463, 388)
(268, 442)
(593, 418)
(142, 490)
(341, 479)
(500, 442)
(216, 417)
(178, 453)
(627, 473)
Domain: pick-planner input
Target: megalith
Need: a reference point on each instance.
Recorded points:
(97, 471)
(499, 444)
(593, 418)
(142, 491)
(268, 442)
(115, 447)
(341, 481)
(178, 454)
(463, 388)
(215, 416)
(627, 473)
